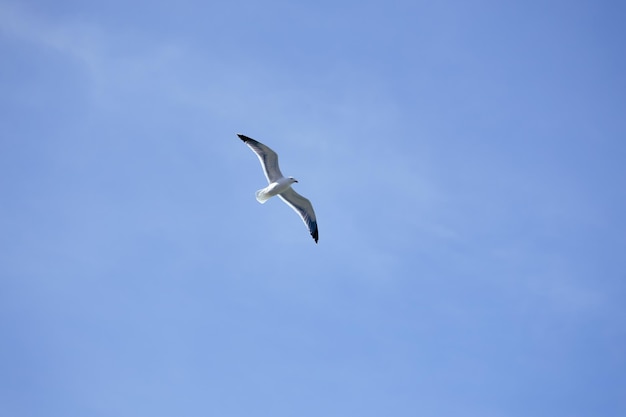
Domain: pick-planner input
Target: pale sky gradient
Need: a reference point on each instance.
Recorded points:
(466, 161)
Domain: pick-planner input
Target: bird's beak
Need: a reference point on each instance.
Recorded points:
(295, 180)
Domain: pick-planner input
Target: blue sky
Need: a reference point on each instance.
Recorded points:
(466, 161)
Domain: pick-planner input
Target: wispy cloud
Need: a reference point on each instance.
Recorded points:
(79, 41)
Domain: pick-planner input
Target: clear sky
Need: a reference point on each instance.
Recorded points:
(466, 161)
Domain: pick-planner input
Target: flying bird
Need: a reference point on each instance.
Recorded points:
(281, 185)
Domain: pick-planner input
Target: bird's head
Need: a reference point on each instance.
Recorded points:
(292, 180)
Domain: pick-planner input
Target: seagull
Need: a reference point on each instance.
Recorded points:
(281, 185)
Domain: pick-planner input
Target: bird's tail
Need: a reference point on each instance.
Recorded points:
(261, 196)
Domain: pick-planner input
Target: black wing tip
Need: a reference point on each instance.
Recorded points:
(315, 235)
(244, 137)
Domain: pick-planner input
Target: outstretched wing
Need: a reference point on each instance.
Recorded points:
(268, 158)
(303, 207)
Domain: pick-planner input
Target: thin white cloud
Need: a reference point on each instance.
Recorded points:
(81, 42)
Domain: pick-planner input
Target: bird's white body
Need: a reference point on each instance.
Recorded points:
(274, 188)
